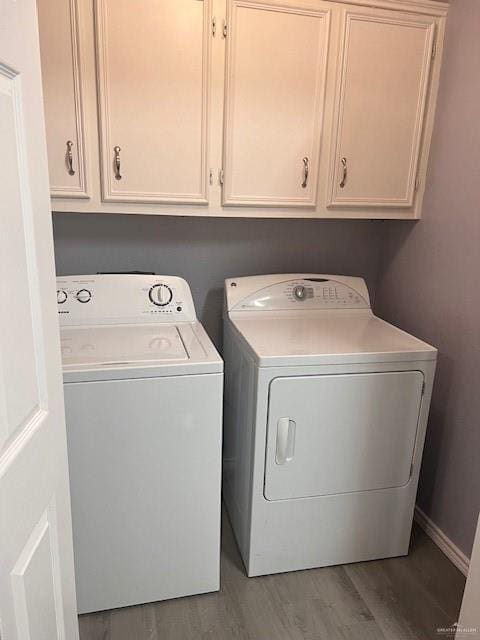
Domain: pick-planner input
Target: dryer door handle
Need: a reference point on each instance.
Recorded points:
(285, 450)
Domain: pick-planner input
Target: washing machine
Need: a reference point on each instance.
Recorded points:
(143, 398)
(326, 407)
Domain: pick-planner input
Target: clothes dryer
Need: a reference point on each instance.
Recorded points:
(326, 407)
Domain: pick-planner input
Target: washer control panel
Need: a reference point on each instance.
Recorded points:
(291, 292)
(123, 299)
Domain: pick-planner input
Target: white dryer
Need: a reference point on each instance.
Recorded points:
(143, 396)
(326, 408)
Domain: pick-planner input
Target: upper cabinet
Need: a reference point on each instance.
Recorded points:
(62, 90)
(153, 82)
(254, 108)
(382, 86)
(275, 87)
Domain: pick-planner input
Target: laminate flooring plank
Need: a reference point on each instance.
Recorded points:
(133, 623)
(419, 602)
(177, 619)
(95, 626)
(384, 601)
(324, 603)
(435, 572)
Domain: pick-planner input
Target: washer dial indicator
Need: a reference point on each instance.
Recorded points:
(61, 296)
(84, 295)
(160, 295)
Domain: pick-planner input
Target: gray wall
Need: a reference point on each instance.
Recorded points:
(429, 284)
(206, 251)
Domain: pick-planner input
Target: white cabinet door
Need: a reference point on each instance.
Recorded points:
(153, 76)
(382, 95)
(60, 54)
(37, 590)
(335, 434)
(275, 86)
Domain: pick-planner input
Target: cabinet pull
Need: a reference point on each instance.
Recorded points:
(69, 158)
(305, 172)
(116, 163)
(285, 449)
(344, 177)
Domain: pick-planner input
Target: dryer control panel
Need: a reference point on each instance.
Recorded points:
(123, 299)
(296, 291)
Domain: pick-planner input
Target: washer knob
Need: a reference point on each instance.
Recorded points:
(300, 292)
(61, 296)
(160, 294)
(84, 295)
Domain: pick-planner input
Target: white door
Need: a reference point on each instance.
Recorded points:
(382, 95)
(153, 77)
(62, 91)
(37, 591)
(275, 87)
(335, 434)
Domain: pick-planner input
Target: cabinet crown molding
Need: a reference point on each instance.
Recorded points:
(431, 7)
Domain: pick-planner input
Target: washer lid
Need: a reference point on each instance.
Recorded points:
(326, 337)
(132, 351)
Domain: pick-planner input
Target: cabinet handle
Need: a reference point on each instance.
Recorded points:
(305, 172)
(69, 158)
(116, 163)
(344, 177)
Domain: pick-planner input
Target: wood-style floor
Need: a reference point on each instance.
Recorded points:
(406, 598)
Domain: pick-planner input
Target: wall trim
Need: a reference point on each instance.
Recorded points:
(443, 542)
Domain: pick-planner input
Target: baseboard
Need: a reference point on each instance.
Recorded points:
(442, 541)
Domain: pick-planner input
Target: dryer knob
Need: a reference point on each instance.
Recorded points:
(300, 292)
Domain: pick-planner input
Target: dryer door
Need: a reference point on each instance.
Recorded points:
(334, 434)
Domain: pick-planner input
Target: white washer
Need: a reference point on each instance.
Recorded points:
(326, 408)
(143, 395)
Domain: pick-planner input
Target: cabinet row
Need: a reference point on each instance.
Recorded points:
(298, 108)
